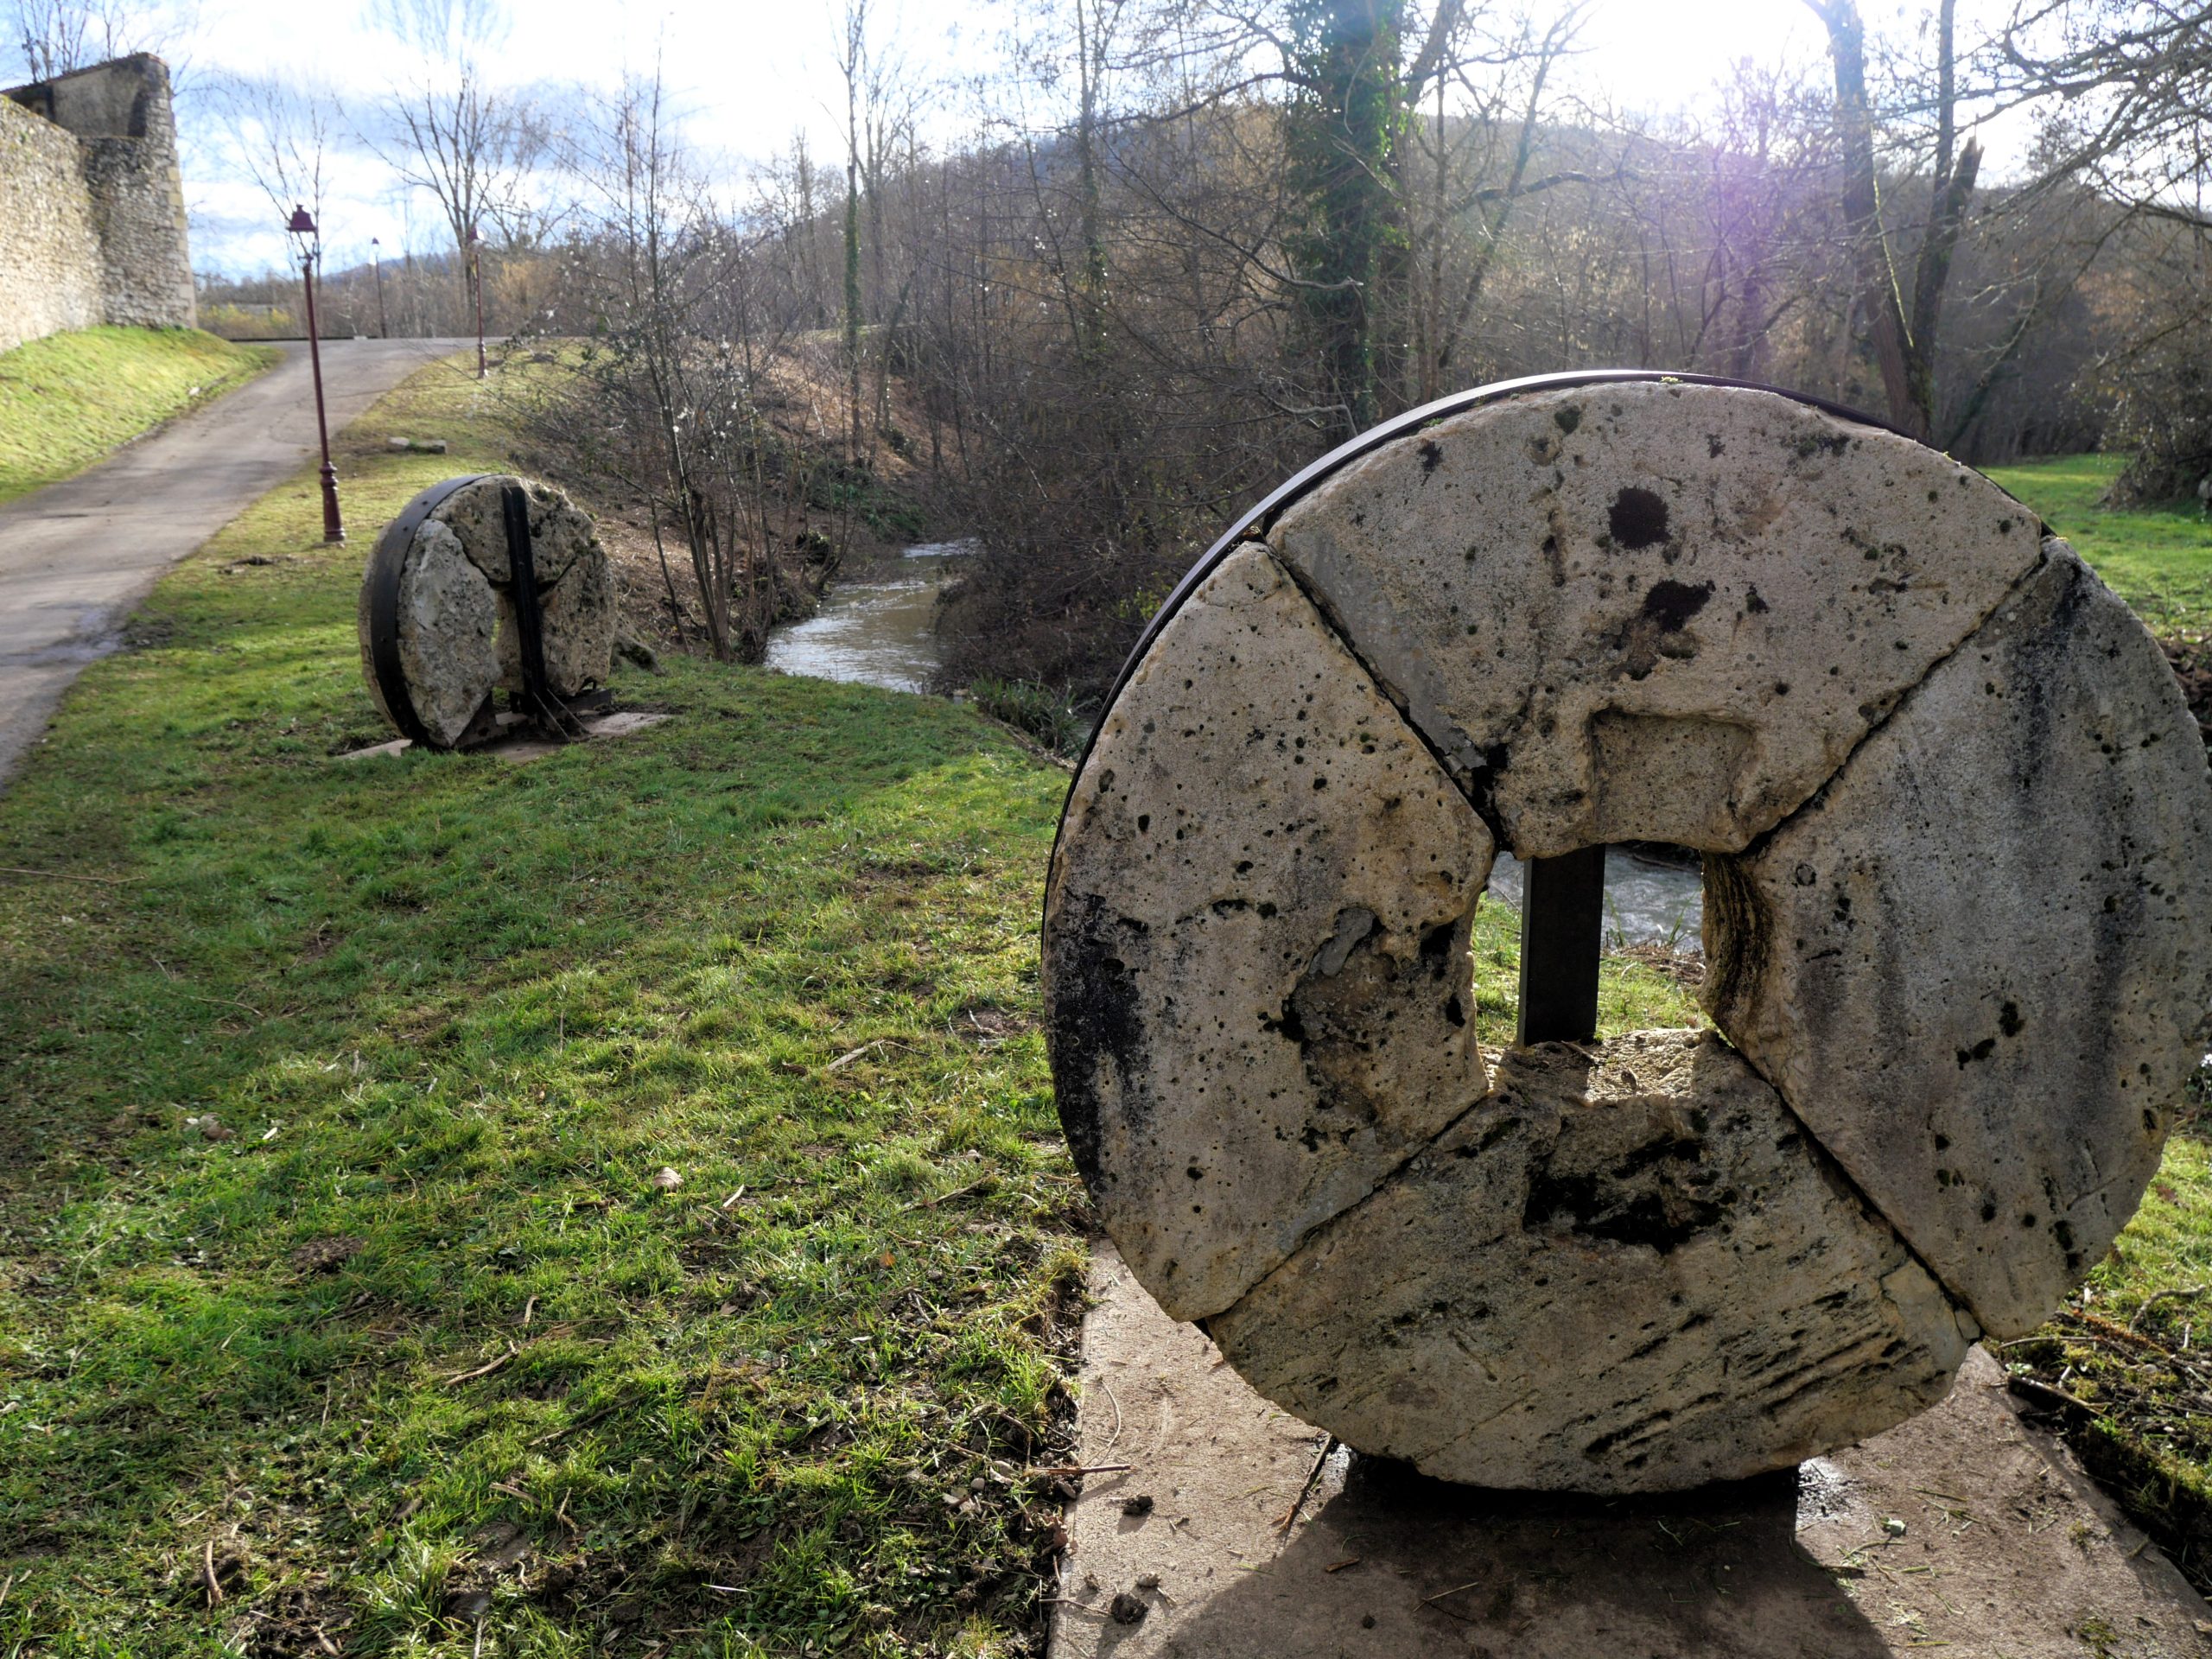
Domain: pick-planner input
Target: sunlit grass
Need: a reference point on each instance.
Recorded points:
(68, 399)
(2158, 560)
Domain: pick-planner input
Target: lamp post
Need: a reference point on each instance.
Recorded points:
(302, 226)
(376, 253)
(476, 269)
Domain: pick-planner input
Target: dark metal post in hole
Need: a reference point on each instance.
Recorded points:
(1562, 919)
(530, 623)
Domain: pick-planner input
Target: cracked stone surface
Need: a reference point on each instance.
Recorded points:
(559, 531)
(1652, 611)
(458, 639)
(1978, 964)
(1626, 1269)
(1256, 944)
(448, 617)
(1959, 836)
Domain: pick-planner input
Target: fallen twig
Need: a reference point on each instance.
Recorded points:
(847, 1059)
(2054, 1398)
(64, 875)
(1321, 1461)
(1058, 1470)
(482, 1371)
(207, 1575)
(1442, 1594)
(974, 1186)
(2181, 1294)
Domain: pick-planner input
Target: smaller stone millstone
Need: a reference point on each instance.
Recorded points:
(1629, 1273)
(458, 639)
(1256, 943)
(1978, 964)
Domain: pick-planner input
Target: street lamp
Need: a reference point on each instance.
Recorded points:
(302, 227)
(476, 267)
(376, 253)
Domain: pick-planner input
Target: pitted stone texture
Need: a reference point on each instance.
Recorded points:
(447, 618)
(1256, 943)
(579, 627)
(1978, 965)
(1652, 611)
(1626, 1270)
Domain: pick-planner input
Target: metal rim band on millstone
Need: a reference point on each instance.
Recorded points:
(387, 567)
(1929, 766)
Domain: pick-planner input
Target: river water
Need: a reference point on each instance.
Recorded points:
(879, 627)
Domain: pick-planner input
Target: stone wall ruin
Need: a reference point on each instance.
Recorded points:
(91, 204)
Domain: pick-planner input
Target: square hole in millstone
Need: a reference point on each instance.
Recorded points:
(1647, 936)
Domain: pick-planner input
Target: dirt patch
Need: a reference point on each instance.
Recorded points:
(2190, 656)
(988, 1025)
(1685, 968)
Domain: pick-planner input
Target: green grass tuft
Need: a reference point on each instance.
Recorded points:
(68, 399)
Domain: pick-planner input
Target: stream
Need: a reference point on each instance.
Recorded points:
(879, 627)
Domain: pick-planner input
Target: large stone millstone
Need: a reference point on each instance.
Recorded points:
(437, 618)
(1957, 822)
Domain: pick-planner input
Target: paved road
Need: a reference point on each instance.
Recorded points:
(77, 557)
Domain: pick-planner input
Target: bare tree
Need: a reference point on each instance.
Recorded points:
(458, 135)
(56, 37)
(1905, 341)
(280, 133)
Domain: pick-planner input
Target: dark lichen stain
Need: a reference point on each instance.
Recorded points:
(1566, 419)
(1096, 1028)
(2009, 1021)
(1639, 518)
(1753, 605)
(1980, 1051)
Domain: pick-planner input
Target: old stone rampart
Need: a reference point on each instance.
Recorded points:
(91, 204)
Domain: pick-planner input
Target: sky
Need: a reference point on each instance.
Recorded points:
(750, 73)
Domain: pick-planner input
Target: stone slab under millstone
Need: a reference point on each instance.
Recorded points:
(1627, 1269)
(1651, 610)
(1256, 950)
(1978, 965)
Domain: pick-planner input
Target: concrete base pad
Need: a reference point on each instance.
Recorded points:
(526, 748)
(1963, 1529)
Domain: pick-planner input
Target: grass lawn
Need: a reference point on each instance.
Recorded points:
(68, 399)
(2160, 562)
(335, 1276)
